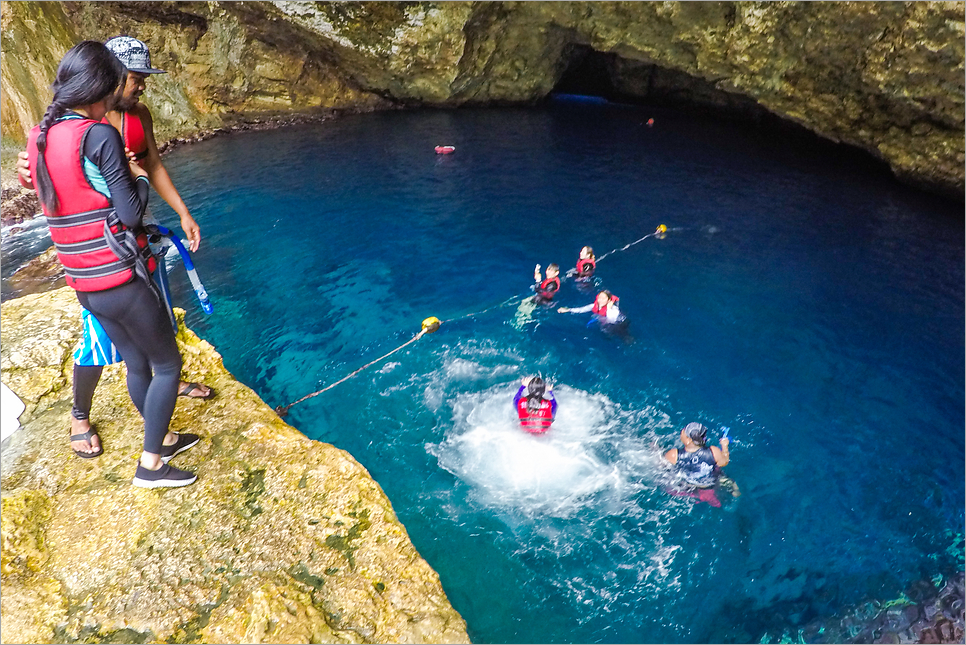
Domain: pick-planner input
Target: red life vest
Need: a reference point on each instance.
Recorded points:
(538, 422)
(132, 131)
(586, 267)
(548, 287)
(602, 311)
(79, 228)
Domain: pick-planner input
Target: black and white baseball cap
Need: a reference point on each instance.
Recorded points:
(133, 54)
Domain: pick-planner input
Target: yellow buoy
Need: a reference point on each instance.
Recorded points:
(431, 324)
(662, 229)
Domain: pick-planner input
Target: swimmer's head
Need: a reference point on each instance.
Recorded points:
(586, 253)
(604, 297)
(696, 433)
(536, 387)
(552, 271)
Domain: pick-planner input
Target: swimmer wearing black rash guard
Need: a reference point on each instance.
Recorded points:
(86, 185)
(132, 314)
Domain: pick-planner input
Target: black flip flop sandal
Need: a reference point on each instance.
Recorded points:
(87, 437)
(189, 387)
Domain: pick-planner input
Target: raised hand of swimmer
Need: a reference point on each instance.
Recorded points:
(130, 155)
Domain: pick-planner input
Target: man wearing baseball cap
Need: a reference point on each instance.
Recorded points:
(133, 120)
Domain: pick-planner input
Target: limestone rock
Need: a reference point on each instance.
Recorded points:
(281, 540)
(887, 77)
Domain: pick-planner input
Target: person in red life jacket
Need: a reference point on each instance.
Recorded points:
(133, 120)
(604, 307)
(94, 200)
(546, 289)
(535, 405)
(586, 264)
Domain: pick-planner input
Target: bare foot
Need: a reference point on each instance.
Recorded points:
(81, 426)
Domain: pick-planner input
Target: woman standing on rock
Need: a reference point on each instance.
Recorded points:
(94, 207)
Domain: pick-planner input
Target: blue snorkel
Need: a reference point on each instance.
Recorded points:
(189, 267)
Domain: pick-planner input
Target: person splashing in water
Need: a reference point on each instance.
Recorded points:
(699, 466)
(535, 405)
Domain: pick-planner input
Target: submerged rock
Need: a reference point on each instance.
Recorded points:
(281, 540)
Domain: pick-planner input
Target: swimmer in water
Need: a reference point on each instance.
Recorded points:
(535, 405)
(699, 465)
(604, 307)
(586, 264)
(546, 289)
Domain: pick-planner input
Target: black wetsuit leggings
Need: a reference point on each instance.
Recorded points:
(139, 326)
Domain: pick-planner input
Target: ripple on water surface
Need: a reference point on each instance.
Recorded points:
(801, 298)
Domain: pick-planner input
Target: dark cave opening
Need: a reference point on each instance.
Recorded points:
(604, 76)
(587, 74)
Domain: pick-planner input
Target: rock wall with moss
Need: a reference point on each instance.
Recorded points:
(887, 77)
(281, 540)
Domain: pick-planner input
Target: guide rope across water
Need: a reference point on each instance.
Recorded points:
(429, 326)
(432, 323)
(659, 232)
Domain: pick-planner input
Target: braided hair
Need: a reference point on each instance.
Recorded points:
(87, 73)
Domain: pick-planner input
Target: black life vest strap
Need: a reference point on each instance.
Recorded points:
(124, 244)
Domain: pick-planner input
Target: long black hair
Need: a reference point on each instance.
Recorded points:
(535, 389)
(87, 73)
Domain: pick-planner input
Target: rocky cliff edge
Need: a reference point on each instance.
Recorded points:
(281, 540)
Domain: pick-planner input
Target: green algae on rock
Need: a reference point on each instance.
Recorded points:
(281, 540)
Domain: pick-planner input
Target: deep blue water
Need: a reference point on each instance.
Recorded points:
(802, 298)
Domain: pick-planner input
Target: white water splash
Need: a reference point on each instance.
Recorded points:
(595, 454)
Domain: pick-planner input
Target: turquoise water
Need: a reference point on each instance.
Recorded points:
(801, 298)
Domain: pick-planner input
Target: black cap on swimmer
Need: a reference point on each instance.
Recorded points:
(536, 387)
(696, 432)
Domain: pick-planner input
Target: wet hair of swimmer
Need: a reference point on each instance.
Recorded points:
(87, 73)
(535, 389)
(697, 433)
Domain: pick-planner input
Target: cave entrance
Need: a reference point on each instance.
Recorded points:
(611, 77)
(588, 73)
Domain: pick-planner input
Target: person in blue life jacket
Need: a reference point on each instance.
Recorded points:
(547, 288)
(604, 308)
(535, 405)
(699, 466)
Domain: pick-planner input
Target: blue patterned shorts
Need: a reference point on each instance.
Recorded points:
(95, 347)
